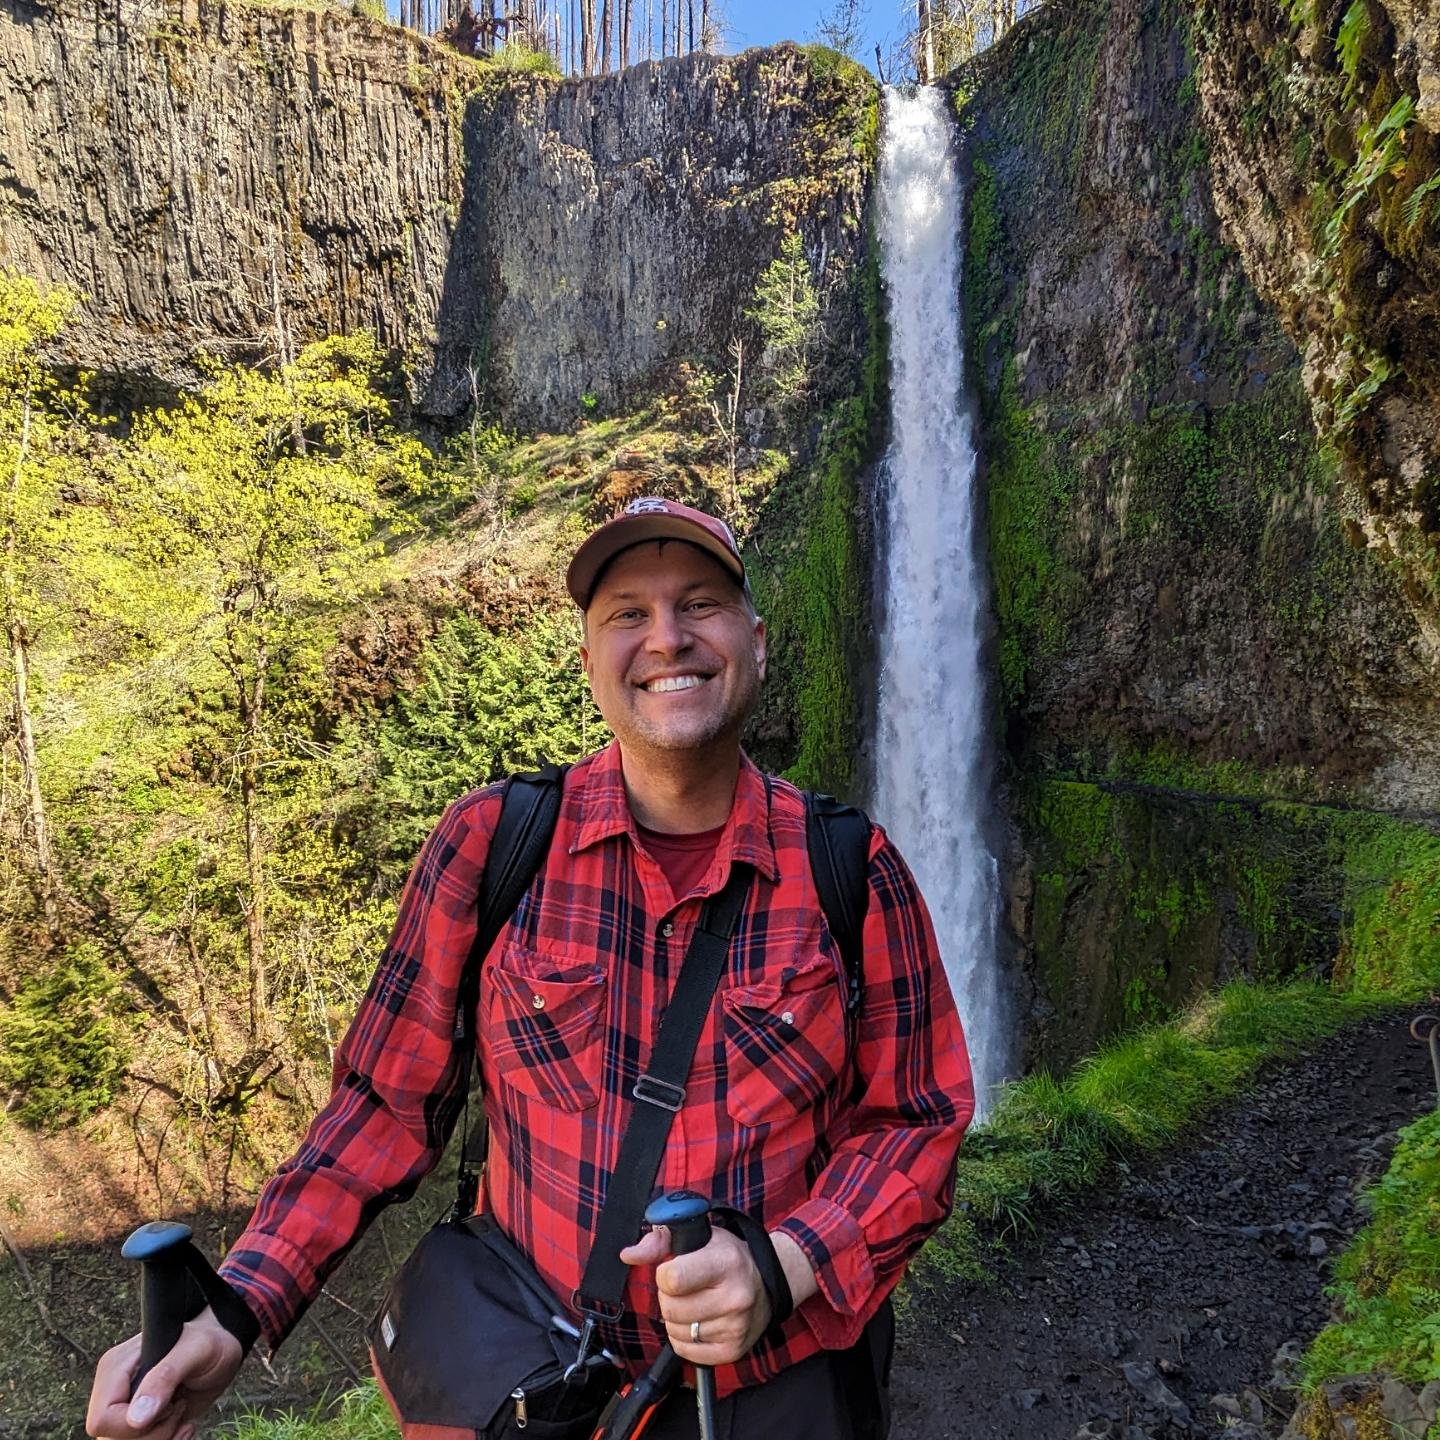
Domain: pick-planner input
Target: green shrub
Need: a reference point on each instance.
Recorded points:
(486, 705)
(1387, 1284)
(62, 1048)
(523, 60)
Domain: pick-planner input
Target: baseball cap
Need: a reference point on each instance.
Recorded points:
(651, 518)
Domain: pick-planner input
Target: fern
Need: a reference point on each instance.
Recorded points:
(1350, 40)
(1416, 200)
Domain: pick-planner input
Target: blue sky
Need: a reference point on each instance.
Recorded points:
(763, 22)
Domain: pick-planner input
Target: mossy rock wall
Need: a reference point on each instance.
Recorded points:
(1186, 604)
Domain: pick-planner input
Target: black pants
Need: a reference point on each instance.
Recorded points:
(836, 1395)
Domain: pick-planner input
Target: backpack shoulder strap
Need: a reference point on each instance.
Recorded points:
(838, 837)
(529, 809)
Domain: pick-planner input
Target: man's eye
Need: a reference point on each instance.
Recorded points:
(701, 605)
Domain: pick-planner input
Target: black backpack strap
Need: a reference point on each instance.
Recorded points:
(838, 837)
(529, 810)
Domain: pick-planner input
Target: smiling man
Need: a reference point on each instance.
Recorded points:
(832, 1124)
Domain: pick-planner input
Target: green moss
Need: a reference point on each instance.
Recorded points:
(809, 582)
(1032, 484)
(1392, 870)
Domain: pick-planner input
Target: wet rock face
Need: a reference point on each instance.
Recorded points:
(236, 180)
(1325, 123)
(1178, 565)
(613, 224)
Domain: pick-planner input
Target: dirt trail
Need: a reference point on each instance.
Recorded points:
(1124, 1318)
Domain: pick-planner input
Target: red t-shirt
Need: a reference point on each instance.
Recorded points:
(683, 858)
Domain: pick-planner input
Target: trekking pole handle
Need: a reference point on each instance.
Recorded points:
(160, 1247)
(686, 1215)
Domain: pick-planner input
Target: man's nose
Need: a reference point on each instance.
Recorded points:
(666, 634)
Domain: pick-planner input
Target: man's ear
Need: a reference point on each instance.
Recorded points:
(759, 640)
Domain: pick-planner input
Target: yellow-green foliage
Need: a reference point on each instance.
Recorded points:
(1387, 1284)
(786, 309)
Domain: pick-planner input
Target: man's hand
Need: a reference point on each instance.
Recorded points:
(176, 1392)
(720, 1287)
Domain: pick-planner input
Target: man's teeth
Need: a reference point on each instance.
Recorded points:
(674, 682)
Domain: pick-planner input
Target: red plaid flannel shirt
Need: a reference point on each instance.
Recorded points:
(571, 999)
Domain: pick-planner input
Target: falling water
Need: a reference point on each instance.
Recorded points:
(932, 770)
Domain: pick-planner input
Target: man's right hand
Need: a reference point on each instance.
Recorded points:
(177, 1391)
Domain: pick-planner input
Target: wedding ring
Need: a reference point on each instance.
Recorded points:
(695, 1331)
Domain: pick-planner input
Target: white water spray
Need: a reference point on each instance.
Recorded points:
(931, 767)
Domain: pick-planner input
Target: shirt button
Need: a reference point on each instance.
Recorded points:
(667, 929)
(788, 1017)
(538, 1001)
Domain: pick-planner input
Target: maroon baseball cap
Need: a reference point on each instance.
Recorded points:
(651, 518)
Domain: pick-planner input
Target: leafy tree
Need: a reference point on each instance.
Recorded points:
(63, 572)
(270, 494)
(486, 704)
(787, 310)
(842, 27)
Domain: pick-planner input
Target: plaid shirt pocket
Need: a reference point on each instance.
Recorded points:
(543, 1027)
(784, 1043)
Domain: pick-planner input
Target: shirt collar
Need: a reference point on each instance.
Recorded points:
(601, 811)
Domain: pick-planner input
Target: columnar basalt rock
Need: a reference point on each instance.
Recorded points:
(225, 179)
(229, 179)
(613, 225)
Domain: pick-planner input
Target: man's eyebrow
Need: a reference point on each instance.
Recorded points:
(615, 595)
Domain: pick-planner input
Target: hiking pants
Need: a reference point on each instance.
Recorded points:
(836, 1395)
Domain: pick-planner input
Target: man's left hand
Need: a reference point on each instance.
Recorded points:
(719, 1286)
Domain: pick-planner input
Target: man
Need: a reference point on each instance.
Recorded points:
(840, 1139)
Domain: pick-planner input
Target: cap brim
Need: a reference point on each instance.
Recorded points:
(629, 530)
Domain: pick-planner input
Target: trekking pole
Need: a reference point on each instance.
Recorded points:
(687, 1216)
(163, 1249)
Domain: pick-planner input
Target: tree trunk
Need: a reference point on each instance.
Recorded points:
(250, 689)
(925, 44)
(606, 19)
(46, 883)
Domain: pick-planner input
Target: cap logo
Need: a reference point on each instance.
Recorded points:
(647, 505)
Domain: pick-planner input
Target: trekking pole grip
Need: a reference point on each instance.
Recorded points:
(160, 1247)
(686, 1215)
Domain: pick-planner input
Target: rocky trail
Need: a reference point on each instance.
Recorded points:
(1174, 1305)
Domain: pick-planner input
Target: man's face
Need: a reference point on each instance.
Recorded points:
(673, 653)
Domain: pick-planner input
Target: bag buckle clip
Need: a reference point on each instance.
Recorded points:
(660, 1093)
(593, 1311)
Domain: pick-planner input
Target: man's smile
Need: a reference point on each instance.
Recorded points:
(664, 684)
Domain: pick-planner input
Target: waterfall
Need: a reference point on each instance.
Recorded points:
(931, 761)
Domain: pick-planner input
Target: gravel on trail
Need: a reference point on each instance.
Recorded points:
(1174, 1303)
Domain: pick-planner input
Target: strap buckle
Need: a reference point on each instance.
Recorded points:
(660, 1093)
